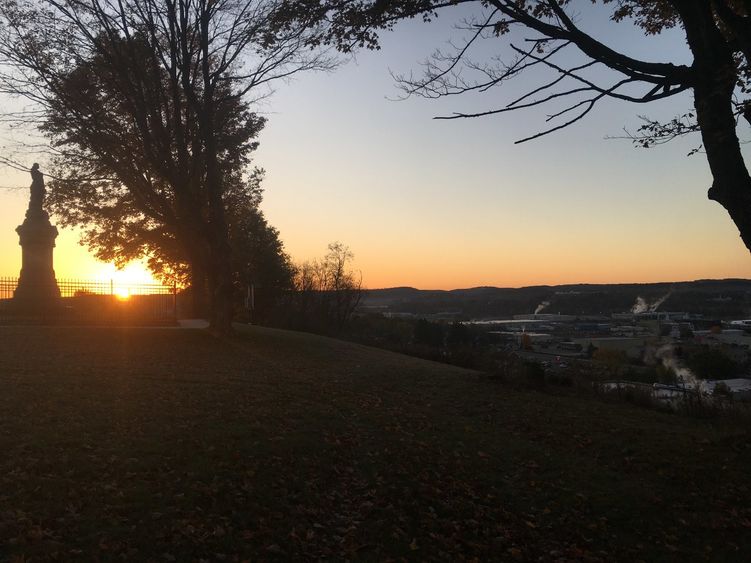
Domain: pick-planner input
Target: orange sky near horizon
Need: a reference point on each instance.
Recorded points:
(71, 260)
(520, 255)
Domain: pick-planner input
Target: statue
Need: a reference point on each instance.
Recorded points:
(37, 288)
(37, 191)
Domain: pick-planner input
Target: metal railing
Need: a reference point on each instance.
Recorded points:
(92, 302)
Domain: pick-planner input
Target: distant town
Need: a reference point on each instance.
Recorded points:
(665, 339)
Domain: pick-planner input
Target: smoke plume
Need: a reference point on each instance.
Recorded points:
(656, 304)
(541, 306)
(642, 306)
(667, 356)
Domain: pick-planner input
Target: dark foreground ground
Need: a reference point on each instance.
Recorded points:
(169, 445)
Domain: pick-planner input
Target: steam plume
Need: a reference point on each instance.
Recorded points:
(666, 356)
(655, 304)
(641, 306)
(541, 306)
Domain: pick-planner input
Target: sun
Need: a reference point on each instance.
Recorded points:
(122, 293)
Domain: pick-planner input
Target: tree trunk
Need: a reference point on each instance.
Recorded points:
(198, 288)
(220, 277)
(221, 287)
(713, 100)
(731, 187)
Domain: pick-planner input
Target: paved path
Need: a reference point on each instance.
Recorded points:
(193, 323)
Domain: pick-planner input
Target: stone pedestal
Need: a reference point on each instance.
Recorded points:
(37, 287)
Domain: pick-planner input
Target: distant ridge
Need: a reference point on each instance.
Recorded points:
(571, 285)
(721, 298)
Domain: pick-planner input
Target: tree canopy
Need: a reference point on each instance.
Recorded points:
(539, 35)
(135, 192)
(163, 88)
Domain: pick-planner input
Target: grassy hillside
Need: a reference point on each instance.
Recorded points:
(172, 446)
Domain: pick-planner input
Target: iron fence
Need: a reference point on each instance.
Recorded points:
(92, 302)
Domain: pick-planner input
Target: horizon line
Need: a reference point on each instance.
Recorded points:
(542, 285)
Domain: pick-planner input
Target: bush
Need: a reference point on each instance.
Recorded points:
(534, 374)
(561, 378)
(721, 388)
(711, 363)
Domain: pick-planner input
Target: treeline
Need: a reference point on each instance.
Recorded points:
(454, 343)
(318, 295)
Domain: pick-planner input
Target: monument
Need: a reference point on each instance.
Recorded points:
(37, 287)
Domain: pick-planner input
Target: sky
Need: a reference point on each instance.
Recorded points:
(452, 204)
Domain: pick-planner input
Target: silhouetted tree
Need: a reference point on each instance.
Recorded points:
(260, 262)
(326, 291)
(428, 333)
(173, 68)
(717, 32)
(340, 287)
(132, 202)
(458, 335)
(710, 363)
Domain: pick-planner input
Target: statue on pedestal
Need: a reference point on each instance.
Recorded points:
(37, 287)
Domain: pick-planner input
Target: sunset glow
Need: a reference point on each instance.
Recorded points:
(122, 293)
(449, 204)
(135, 273)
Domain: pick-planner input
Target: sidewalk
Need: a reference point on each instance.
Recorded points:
(193, 323)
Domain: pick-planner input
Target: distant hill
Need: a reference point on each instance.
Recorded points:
(727, 298)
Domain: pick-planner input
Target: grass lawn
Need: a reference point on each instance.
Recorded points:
(169, 445)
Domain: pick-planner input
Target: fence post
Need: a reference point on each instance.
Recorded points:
(174, 300)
